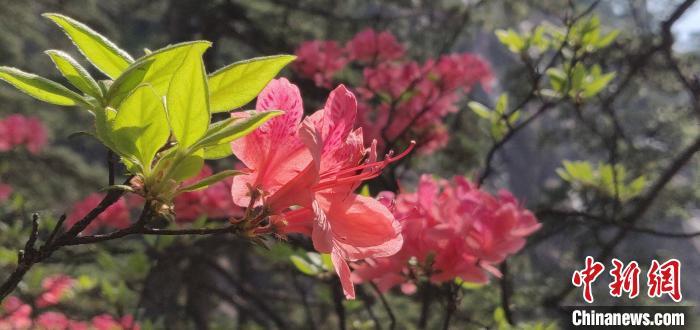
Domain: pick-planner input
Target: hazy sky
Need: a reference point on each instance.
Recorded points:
(689, 24)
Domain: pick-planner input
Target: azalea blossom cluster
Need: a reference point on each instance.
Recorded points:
(18, 130)
(451, 230)
(302, 174)
(398, 97)
(15, 314)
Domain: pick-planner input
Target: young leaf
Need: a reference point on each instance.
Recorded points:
(218, 151)
(578, 76)
(188, 98)
(502, 104)
(101, 52)
(75, 73)
(597, 85)
(304, 266)
(103, 125)
(210, 180)
(235, 85)
(141, 126)
(40, 87)
(512, 39)
(480, 109)
(236, 129)
(155, 69)
(188, 167)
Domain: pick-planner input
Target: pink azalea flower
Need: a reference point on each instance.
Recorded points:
(273, 154)
(36, 138)
(108, 322)
(52, 321)
(18, 130)
(315, 167)
(319, 61)
(54, 289)
(17, 315)
(451, 229)
(115, 217)
(370, 46)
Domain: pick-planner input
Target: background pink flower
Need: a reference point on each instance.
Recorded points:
(399, 99)
(213, 202)
(451, 229)
(18, 130)
(5, 191)
(116, 216)
(54, 289)
(369, 46)
(320, 60)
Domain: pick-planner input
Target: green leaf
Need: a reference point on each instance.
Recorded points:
(557, 78)
(141, 126)
(327, 262)
(218, 151)
(156, 69)
(513, 118)
(577, 77)
(597, 85)
(235, 85)
(512, 39)
(502, 104)
(75, 73)
(304, 266)
(188, 167)
(480, 110)
(468, 285)
(188, 98)
(101, 52)
(237, 129)
(40, 88)
(607, 39)
(103, 125)
(210, 180)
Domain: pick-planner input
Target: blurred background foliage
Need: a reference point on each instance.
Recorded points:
(644, 118)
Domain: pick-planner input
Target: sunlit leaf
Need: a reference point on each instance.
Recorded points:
(75, 73)
(101, 52)
(218, 151)
(141, 125)
(188, 98)
(237, 129)
(480, 109)
(155, 69)
(40, 88)
(235, 85)
(210, 180)
(188, 167)
(304, 266)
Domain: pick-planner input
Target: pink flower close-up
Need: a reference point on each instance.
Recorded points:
(314, 166)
